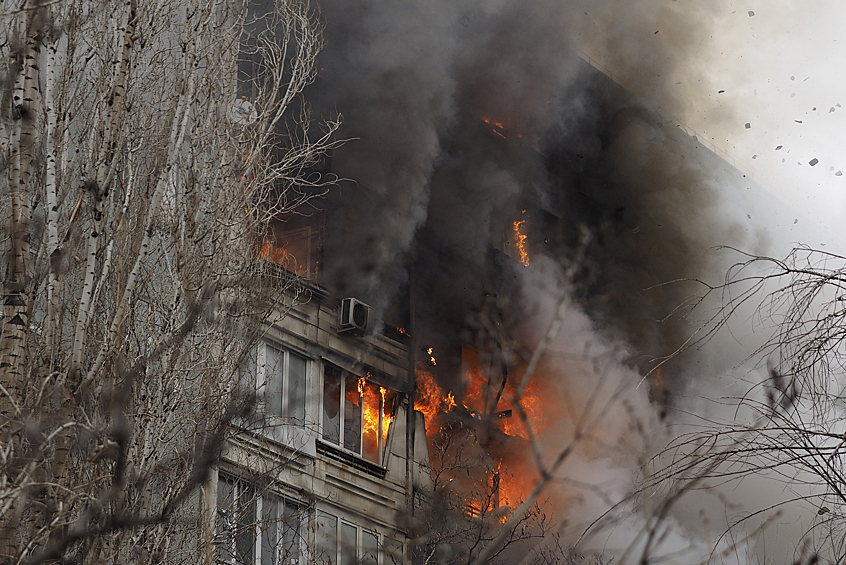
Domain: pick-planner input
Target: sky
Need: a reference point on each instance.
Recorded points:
(762, 82)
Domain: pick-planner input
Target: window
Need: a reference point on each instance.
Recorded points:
(256, 528)
(339, 542)
(357, 414)
(283, 378)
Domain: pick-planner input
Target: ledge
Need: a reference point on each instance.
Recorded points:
(337, 454)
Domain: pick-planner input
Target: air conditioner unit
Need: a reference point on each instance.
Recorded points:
(356, 317)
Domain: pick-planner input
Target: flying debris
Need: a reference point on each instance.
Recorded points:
(754, 156)
(831, 110)
(720, 91)
(838, 174)
(798, 121)
(748, 125)
(813, 161)
(779, 147)
(751, 13)
(796, 221)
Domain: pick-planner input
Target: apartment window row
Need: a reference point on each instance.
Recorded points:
(256, 527)
(357, 414)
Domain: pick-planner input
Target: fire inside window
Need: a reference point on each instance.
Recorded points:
(257, 527)
(357, 414)
(292, 250)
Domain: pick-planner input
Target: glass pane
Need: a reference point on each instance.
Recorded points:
(326, 539)
(389, 402)
(369, 548)
(296, 388)
(370, 433)
(245, 537)
(290, 535)
(331, 403)
(247, 371)
(269, 529)
(273, 370)
(348, 553)
(392, 551)
(352, 415)
(226, 519)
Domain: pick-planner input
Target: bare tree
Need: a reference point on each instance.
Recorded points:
(139, 178)
(796, 414)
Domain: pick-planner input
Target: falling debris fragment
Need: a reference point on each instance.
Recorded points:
(656, 32)
(813, 161)
(754, 156)
(748, 125)
(748, 216)
(838, 105)
(792, 78)
(782, 160)
(798, 121)
(838, 174)
(796, 221)
(832, 110)
(751, 13)
(720, 91)
(779, 147)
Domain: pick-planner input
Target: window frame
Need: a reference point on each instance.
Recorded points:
(263, 384)
(228, 551)
(359, 556)
(381, 435)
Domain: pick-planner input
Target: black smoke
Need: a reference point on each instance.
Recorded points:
(464, 117)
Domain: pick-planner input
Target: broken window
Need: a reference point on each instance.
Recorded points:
(356, 413)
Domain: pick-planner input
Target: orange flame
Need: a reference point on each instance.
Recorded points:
(520, 242)
(278, 255)
(432, 361)
(429, 396)
(449, 401)
(386, 418)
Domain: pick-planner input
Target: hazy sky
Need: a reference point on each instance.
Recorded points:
(780, 65)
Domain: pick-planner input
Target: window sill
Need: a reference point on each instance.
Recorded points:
(342, 456)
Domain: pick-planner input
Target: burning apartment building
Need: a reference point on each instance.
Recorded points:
(472, 184)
